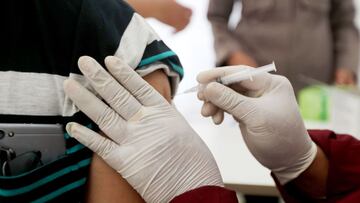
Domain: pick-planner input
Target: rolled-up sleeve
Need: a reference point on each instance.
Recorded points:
(112, 27)
(345, 33)
(225, 41)
(343, 181)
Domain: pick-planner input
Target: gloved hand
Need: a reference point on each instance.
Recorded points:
(269, 120)
(149, 143)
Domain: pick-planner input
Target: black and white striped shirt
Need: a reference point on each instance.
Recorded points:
(41, 42)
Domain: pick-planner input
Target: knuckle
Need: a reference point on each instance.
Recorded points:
(106, 119)
(205, 110)
(285, 83)
(143, 90)
(213, 90)
(212, 86)
(281, 79)
(105, 148)
(117, 97)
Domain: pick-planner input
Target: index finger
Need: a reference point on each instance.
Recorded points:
(114, 93)
(132, 81)
(105, 117)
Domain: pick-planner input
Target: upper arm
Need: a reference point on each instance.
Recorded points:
(159, 80)
(126, 35)
(107, 185)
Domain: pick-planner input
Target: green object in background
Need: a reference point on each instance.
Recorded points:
(314, 103)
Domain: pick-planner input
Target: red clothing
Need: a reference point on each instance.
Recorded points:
(207, 194)
(343, 186)
(343, 153)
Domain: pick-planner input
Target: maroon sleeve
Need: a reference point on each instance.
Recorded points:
(208, 194)
(343, 183)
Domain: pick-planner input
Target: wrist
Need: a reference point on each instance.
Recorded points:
(292, 171)
(313, 180)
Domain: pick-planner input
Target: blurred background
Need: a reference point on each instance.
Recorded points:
(194, 44)
(322, 105)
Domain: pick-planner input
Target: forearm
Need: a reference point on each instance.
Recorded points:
(143, 7)
(313, 180)
(105, 184)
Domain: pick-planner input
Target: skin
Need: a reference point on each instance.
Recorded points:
(105, 184)
(166, 11)
(344, 76)
(313, 180)
(242, 58)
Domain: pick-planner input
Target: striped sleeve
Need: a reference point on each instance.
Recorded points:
(143, 50)
(134, 39)
(46, 38)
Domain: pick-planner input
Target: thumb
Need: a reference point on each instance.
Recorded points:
(227, 99)
(92, 140)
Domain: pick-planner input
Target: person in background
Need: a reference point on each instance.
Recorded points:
(167, 11)
(307, 166)
(317, 39)
(41, 42)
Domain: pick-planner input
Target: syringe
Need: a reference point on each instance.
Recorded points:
(246, 74)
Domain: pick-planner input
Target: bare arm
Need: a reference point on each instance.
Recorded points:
(145, 8)
(105, 184)
(166, 11)
(314, 179)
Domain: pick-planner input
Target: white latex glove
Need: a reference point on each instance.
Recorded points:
(149, 143)
(269, 120)
(209, 109)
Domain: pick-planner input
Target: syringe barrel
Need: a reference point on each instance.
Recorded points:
(247, 74)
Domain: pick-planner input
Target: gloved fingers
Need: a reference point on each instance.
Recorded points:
(106, 118)
(257, 83)
(239, 88)
(218, 117)
(227, 99)
(114, 94)
(92, 140)
(137, 86)
(200, 95)
(209, 109)
(208, 76)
